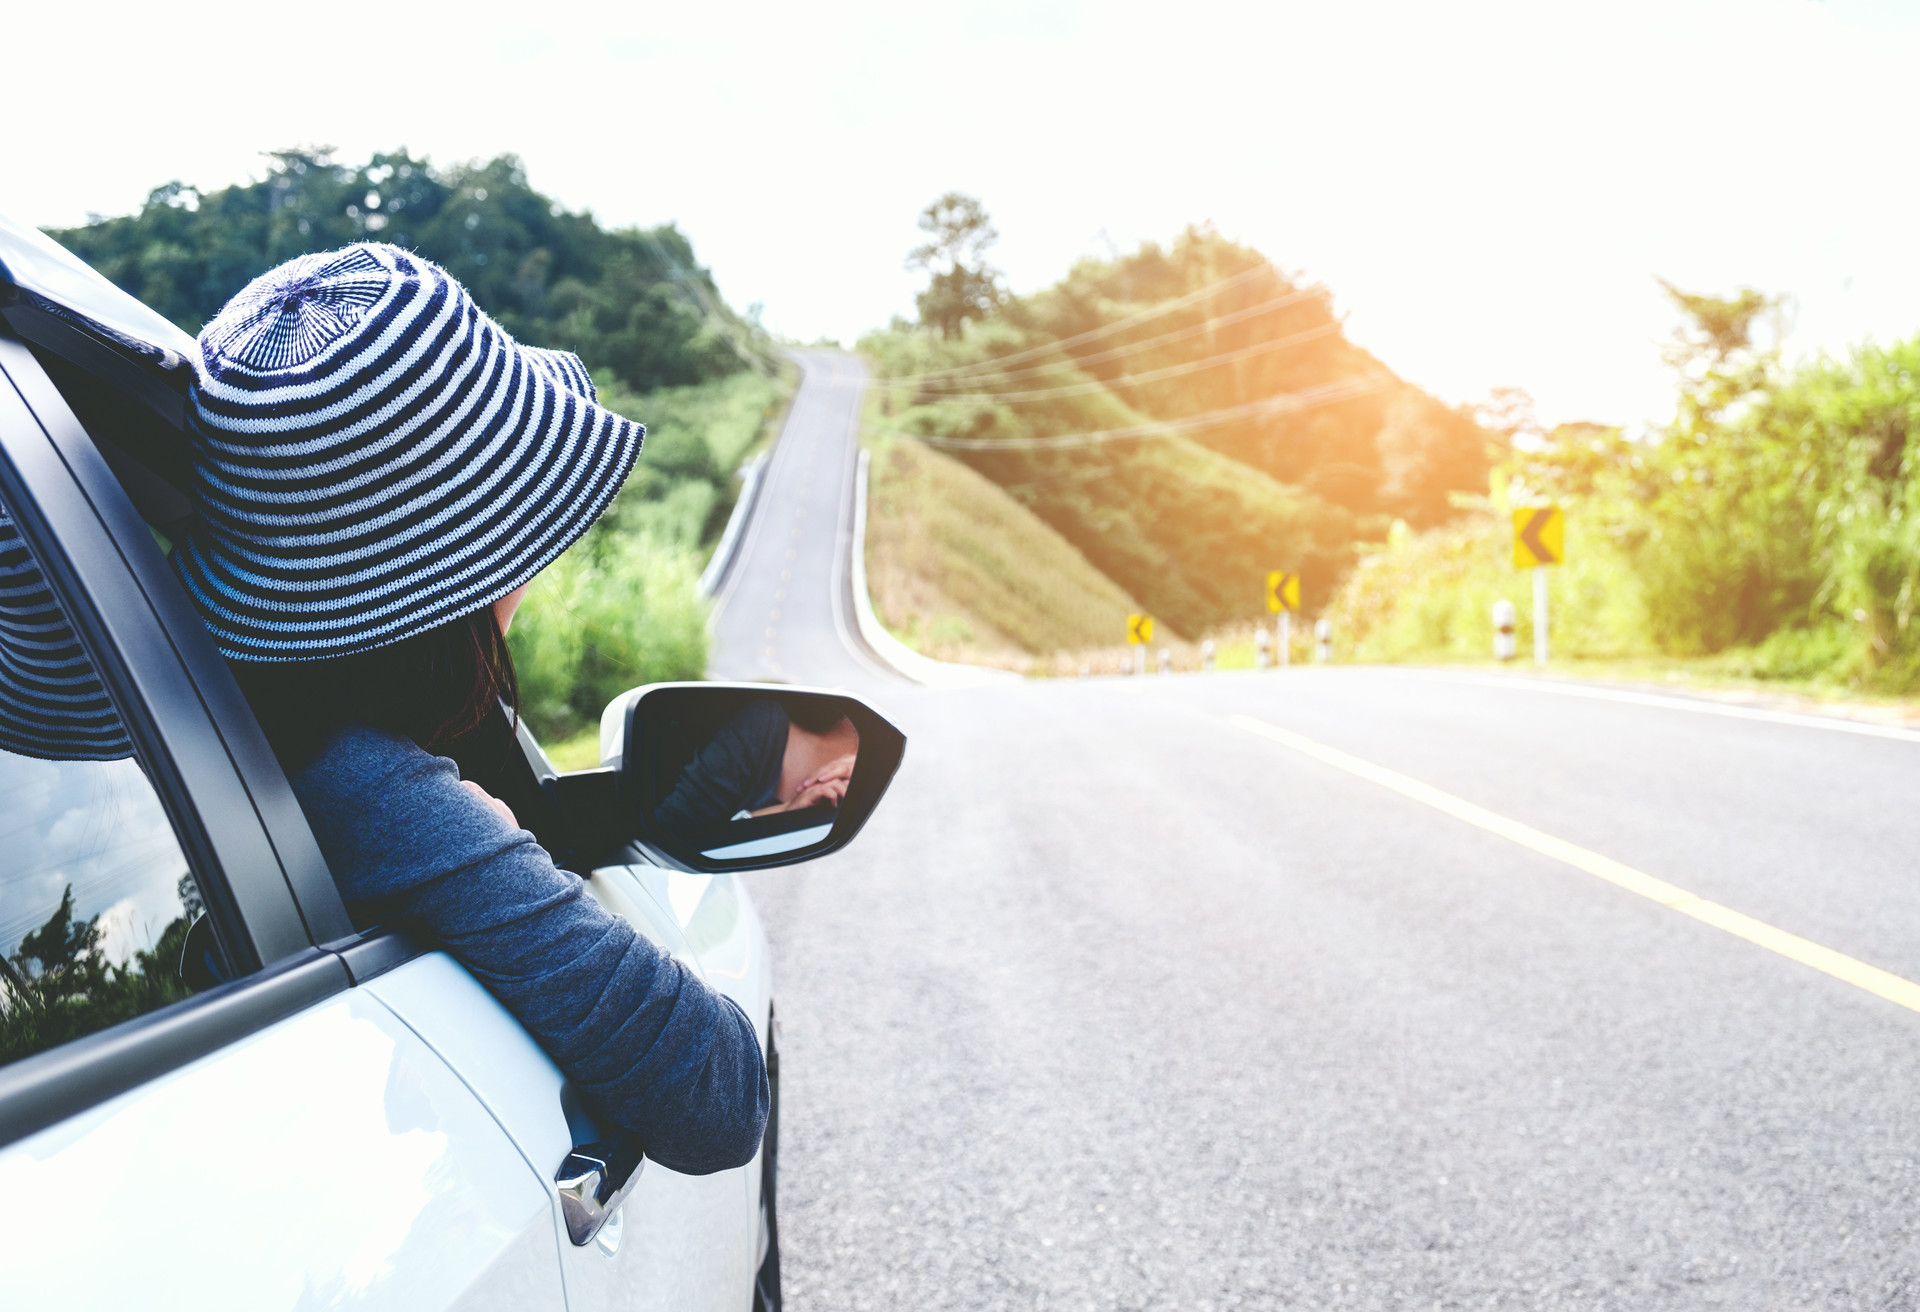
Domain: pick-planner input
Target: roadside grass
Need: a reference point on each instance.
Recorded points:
(580, 752)
(960, 570)
(1428, 599)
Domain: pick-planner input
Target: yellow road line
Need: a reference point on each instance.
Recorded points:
(1880, 983)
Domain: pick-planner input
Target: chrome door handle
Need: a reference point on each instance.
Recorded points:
(594, 1180)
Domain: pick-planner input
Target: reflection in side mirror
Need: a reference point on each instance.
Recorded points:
(739, 776)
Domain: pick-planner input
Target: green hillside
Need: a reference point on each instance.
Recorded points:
(1187, 418)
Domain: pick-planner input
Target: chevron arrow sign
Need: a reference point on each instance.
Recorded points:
(1539, 537)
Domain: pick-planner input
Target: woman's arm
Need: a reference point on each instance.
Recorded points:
(652, 1047)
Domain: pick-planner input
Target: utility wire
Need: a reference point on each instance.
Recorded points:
(1150, 376)
(1311, 398)
(1129, 348)
(1106, 330)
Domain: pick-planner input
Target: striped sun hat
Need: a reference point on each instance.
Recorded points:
(373, 456)
(52, 706)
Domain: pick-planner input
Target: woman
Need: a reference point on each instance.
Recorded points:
(762, 761)
(379, 472)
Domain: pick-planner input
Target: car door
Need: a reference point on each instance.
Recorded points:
(678, 1241)
(279, 1139)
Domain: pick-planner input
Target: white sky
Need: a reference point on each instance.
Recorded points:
(1489, 188)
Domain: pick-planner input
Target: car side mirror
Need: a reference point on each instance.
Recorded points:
(736, 776)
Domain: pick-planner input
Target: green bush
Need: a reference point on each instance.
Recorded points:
(617, 611)
(623, 607)
(683, 487)
(1773, 526)
(1431, 595)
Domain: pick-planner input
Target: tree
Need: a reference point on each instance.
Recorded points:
(963, 286)
(1718, 327)
(633, 302)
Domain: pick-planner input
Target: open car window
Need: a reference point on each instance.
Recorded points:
(96, 897)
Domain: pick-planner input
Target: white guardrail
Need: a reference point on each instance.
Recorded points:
(905, 660)
(718, 568)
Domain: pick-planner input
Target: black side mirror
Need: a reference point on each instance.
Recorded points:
(729, 776)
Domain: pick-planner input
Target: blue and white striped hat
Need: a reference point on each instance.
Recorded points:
(373, 456)
(52, 705)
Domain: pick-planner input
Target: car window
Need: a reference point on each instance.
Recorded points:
(96, 898)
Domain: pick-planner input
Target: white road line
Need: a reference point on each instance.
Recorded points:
(1832, 724)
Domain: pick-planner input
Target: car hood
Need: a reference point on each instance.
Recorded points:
(58, 281)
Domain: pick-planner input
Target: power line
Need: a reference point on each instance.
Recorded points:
(1150, 376)
(1311, 398)
(1107, 330)
(1129, 348)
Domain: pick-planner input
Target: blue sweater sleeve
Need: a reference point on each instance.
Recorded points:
(651, 1047)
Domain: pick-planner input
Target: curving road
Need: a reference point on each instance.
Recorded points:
(785, 611)
(1120, 1004)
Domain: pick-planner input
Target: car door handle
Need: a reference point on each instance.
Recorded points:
(594, 1180)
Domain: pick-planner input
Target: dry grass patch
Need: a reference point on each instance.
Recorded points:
(960, 571)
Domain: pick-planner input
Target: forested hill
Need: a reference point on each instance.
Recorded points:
(633, 302)
(1189, 417)
(622, 607)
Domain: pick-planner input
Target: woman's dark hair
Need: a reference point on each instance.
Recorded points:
(436, 688)
(821, 717)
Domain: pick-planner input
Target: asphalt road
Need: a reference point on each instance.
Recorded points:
(1118, 1005)
(785, 611)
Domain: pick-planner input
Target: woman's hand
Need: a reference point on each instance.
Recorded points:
(839, 770)
(826, 785)
(505, 811)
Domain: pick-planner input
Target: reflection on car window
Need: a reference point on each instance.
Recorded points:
(95, 896)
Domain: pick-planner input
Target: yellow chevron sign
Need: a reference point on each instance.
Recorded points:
(1283, 591)
(1139, 630)
(1539, 537)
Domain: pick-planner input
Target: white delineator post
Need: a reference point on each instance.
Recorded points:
(1504, 622)
(1140, 659)
(1283, 638)
(1540, 614)
(1260, 648)
(1206, 654)
(1323, 641)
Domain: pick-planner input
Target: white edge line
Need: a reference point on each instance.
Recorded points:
(1863, 728)
(904, 659)
(847, 529)
(899, 658)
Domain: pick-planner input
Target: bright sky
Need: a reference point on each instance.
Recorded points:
(1489, 188)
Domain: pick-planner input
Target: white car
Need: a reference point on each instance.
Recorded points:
(215, 1092)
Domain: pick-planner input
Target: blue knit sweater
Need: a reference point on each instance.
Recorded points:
(651, 1047)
